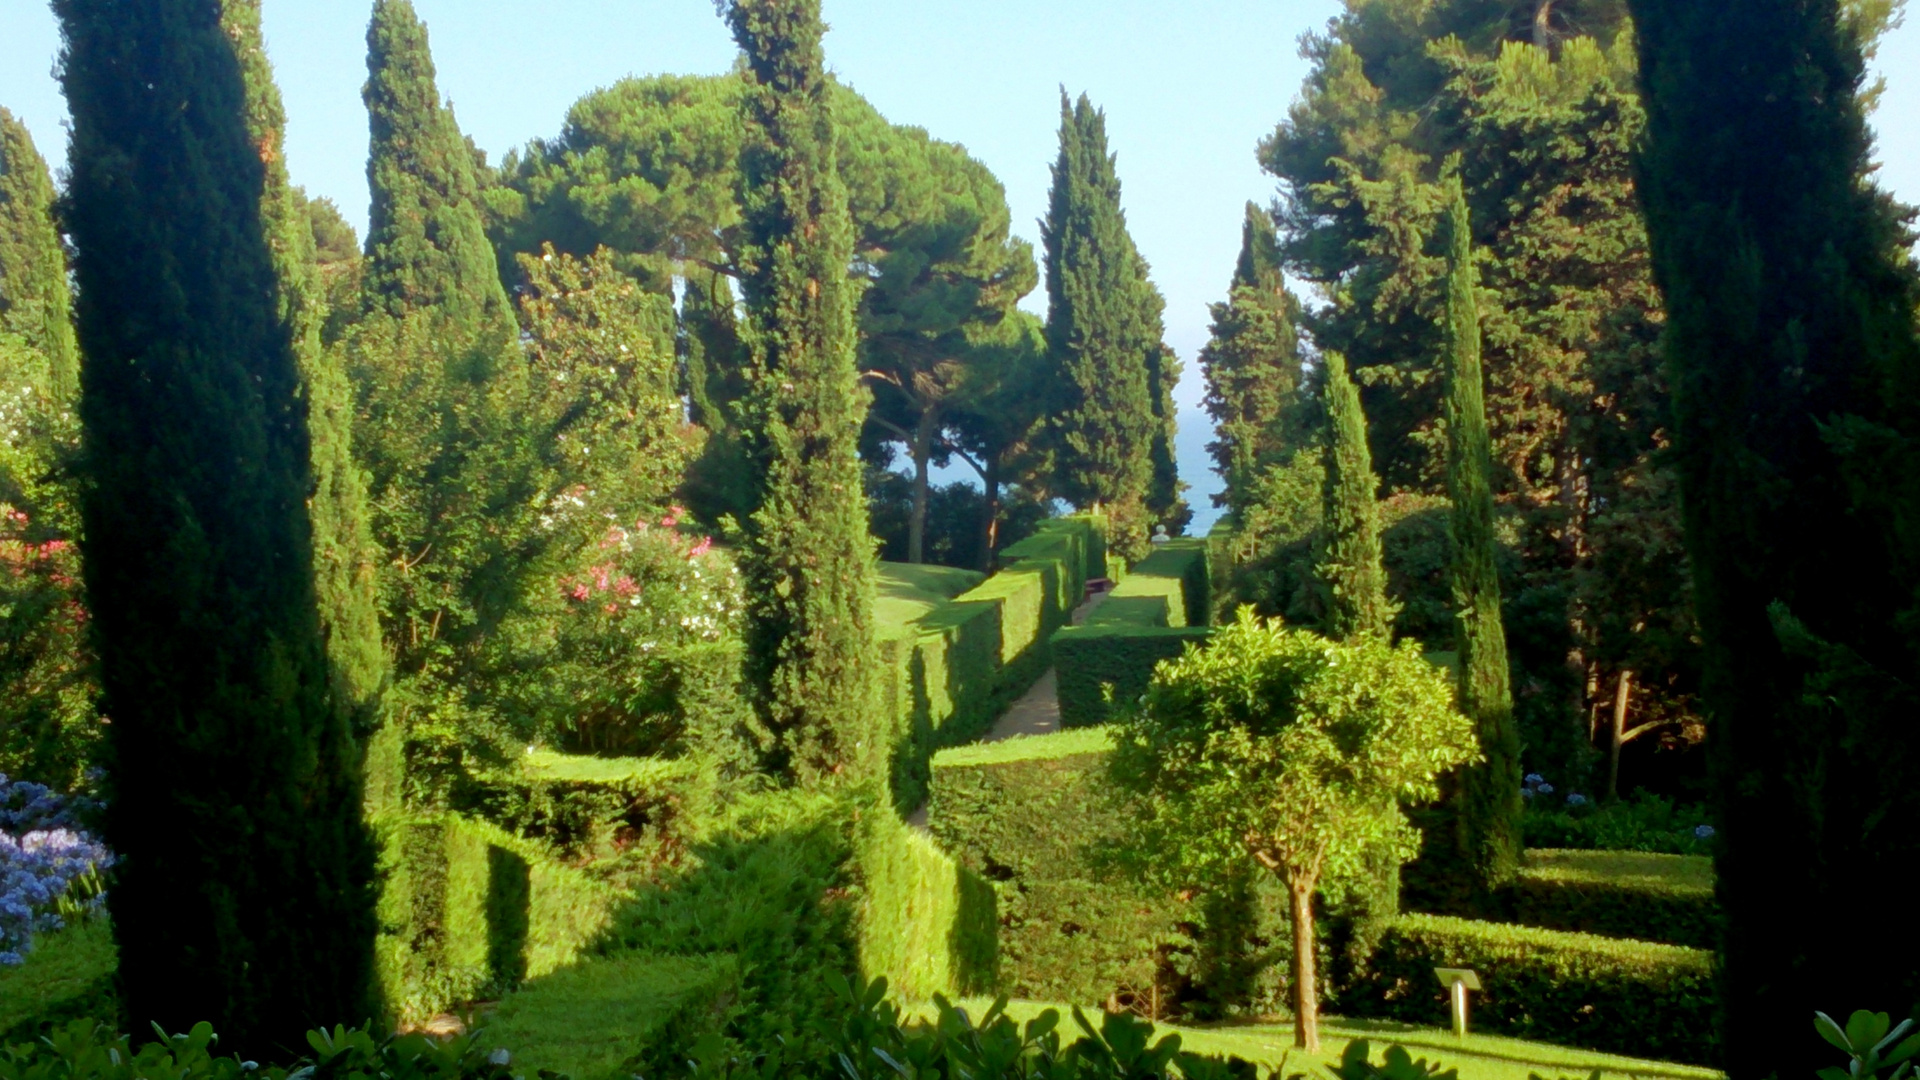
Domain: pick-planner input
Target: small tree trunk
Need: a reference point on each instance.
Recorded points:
(1622, 688)
(990, 520)
(917, 521)
(1543, 24)
(1306, 992)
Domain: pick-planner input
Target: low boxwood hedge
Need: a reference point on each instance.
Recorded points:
(1102, 666)
(1623, 997)
(589, 808)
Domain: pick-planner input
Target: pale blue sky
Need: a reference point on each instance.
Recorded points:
(1188, 89)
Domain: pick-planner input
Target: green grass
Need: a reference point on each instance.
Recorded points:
(1026, 748)
(591, 1021)
(1478, 1057)
(1630, 869)
(69, 974)
(907, 593)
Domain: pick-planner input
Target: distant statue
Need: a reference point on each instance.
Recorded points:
(1160, 535)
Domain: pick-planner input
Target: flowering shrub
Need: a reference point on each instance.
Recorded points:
(49, 865)
(642, 653)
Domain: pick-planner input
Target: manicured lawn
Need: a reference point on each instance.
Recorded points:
(907, 593)
(69, 974)
(1478, 1057)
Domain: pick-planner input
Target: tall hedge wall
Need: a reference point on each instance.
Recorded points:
(1622, 997)
(1164, 604)
(927, 923)
(468, 907)
(1030, 816)
(961, 664)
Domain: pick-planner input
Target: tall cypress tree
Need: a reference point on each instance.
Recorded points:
(345, 557)
(1790, 296)
(1252, 365)
(1104, 419)
(446, 428)
(1164, 499)
(808, 563)
(1489, 819)
(244, 895)
(34, 301)
(1355, 577)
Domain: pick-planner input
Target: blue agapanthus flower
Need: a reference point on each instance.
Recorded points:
(1574, 798)
(1704, 832)
(1544, 789)
(43, 853)
(1534, 779)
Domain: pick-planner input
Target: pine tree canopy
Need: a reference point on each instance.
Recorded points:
(808, 564)
(1490, 791)
(1791, 291)
(1103, 331)
(1357, 604)
(34, 302)
(236, 800)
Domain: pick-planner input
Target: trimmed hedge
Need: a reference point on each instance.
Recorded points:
(591, 808)
(958, 666)
(927, 924)
(1622, 894)
(1107, 661)
(1026, 814)
(469, 908)
(598, 1020)
(1101, 667)
(1622, 997)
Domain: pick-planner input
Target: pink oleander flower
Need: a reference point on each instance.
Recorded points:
(705, 545)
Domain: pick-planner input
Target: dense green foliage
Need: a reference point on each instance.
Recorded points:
(48, 723)
(69, 975)
(1544, 119)
(807, 564)
(928, 924)
(228, 748)
(1490, 790)
(1356, 582)
(1665, 898)
(1252, 367)
(1791, 294)
(1624, 997)
(34, 302)
(1110, 382)
(1281, 748)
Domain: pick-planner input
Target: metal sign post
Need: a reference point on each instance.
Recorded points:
(1458, 981)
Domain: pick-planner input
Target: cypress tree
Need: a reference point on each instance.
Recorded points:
(345, 558)
(1790, 295)
(244, 892)
(1489, 819)
(34, 301)
(427, 246)
(808, 565)
(1164, 499)
(1104, 418)
(446, 427)
(1252, 365)
(1356, 580)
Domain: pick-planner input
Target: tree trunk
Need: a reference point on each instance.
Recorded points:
(922, 450)
(1543, 24)
(1622, 688)
(990, 520)
(1306, 993)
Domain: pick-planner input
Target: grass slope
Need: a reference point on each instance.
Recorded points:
(1630, 869)
(1478, 1057)
(907, 593)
